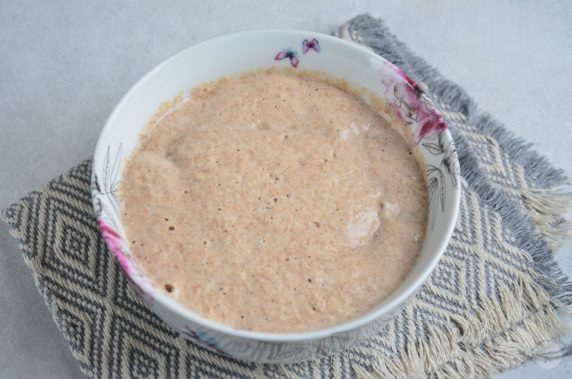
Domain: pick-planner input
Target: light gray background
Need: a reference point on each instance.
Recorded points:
(64, 65)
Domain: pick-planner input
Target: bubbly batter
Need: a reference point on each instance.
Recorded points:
(274, 202)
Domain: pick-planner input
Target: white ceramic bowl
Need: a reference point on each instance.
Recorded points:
(232, 54)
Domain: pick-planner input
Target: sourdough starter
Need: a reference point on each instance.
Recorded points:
(274, 202)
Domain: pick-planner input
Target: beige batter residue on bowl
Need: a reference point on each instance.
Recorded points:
(274, 202)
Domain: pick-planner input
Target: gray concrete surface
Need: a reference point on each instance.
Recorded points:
(64, 64)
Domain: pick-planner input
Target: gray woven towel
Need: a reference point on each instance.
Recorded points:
(489, 305)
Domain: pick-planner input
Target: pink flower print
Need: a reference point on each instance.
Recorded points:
(430, 120)
(308, 45)
(113, 241)
(431, 126)
(413, 106)
(290, 54)
(414, 86)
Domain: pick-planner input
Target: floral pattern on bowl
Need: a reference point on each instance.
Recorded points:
(414, 108)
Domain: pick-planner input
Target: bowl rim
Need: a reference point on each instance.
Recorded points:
(385, 308)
